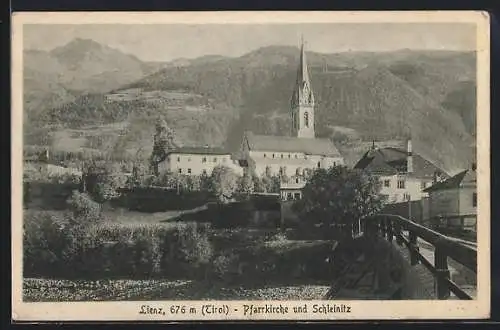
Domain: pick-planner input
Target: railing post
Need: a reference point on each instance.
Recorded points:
(390, 232)
(443, 273)
(413, 248)
(399, 237)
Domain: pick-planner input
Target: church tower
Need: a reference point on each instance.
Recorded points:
(302, 103)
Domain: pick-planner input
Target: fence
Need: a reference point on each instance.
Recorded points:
(390, 226)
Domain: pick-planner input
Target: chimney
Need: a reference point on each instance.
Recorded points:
(409, 157)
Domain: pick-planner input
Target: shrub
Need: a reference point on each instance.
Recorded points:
(103, 180)
(47, 244)
(54, 247)
(226, 266)
(85, 210)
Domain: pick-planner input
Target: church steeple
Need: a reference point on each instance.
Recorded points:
(302, 103)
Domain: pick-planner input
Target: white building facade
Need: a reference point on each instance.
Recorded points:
(198, 161)
(403, 175)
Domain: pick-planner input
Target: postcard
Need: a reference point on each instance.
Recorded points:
(196, 166)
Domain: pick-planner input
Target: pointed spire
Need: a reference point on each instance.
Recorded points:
(302, 72)
(303, 80)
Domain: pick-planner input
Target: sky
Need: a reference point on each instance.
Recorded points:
(167, 42)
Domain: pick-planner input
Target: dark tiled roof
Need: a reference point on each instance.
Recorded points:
(392, 160)
(199, 150)
(466, 176)
(323, 147)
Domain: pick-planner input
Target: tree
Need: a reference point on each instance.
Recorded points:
(224, 183)
(205, 182)
(271, 183)
(283, 176)
(258, 185)
(163, 141)
(139, 174)
(193, 182)
(102, 181)
(339, 196)
(245, 184)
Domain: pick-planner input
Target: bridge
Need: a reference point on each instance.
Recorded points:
(387, 256)
(404, 260)
(392, 257)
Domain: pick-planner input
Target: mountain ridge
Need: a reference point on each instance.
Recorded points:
(375, 94)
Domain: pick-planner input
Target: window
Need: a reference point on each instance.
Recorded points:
(407, 197)
(474, 199)
(319, 164)
(215, 159)
(387, 183)
(296, 180)
(296, 156)
(180, 171)
(306, 119)
(296, 196)
(334, 163)
(289, 156)
(264, 155)
(189, 171)
(281, 156)
(422, 185)
(289, 196)
(401, 184)
(204, 160)
(178, 159)
(273, 155)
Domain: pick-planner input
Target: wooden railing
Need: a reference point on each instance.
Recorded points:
(389, 226)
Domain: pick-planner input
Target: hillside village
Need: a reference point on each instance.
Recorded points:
(405, 176)
(217, 170)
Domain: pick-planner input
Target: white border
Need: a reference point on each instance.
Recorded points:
(367, 310)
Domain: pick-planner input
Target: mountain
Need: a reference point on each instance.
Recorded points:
(375, 95)
(82, 66)
(92, 67)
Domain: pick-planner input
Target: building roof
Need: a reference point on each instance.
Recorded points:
(456, 181)
(199, 151)
(322, 147)
(390, 161)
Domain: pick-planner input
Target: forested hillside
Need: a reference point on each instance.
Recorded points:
(372, 96)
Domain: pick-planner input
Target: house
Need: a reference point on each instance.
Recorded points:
(48, 167)
(292, 189)
(198, 161)
(453, 202)
(403, 174)
(291, 155)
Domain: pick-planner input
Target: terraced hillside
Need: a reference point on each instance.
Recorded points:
(372, 96)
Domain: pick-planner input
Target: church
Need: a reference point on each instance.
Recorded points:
(292, 156)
